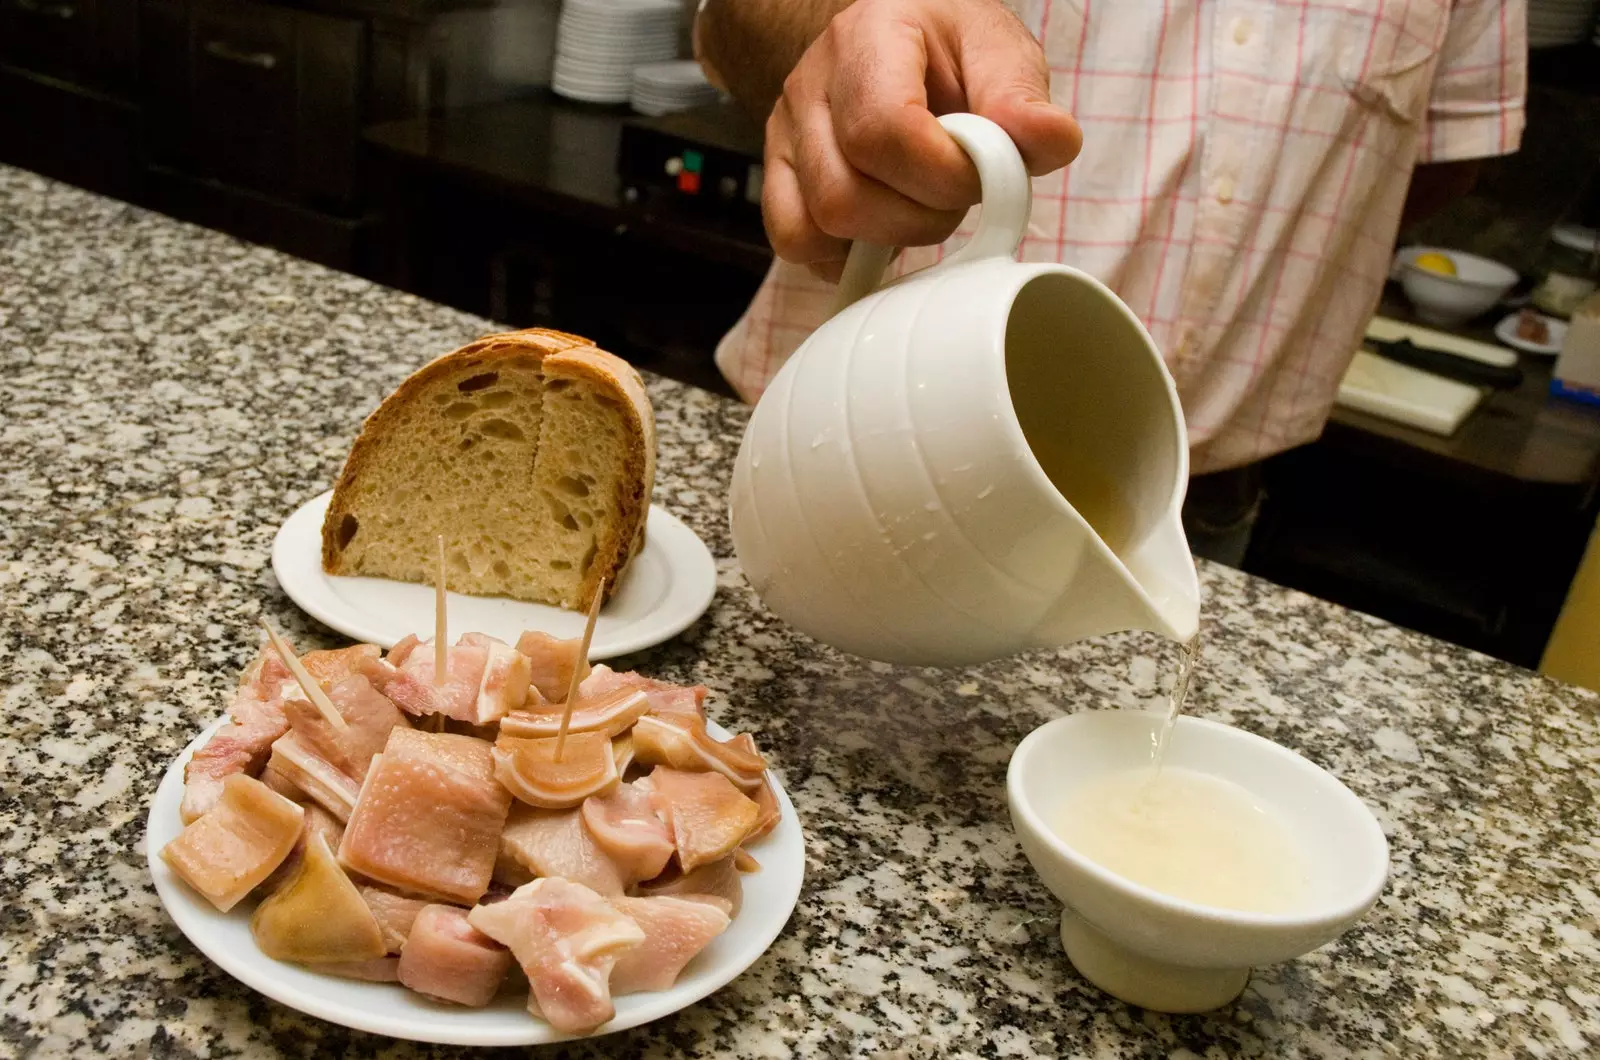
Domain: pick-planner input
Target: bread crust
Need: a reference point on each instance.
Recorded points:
(558, 354)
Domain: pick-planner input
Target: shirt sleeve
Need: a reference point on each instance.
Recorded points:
(1476, 110)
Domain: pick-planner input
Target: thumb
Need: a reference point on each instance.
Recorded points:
(1007, 81)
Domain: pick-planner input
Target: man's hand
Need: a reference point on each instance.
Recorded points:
(853, 148)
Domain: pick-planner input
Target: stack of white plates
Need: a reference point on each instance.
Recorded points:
(1556, 22)
(599, 42)
(661, 88)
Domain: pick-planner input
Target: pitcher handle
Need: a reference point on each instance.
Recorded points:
(1006, 195)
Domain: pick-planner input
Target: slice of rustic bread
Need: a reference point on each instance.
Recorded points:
(532, 452)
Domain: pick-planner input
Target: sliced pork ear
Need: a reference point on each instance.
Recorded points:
(686, 745)
(395, 913)
(709, 817)
(622, 752)
(447, 958)
(318, 915)
(551, 663)
(612, 714)
(528, 768)
(567, 938)
(675, 931)
(625, 824)
(242, 746)
(297, 761)
(368, 715)
(413, 689)
(237, 843)
(556, 843)
(718, 880)
(667, 700)
(428, 819)
(317, 822)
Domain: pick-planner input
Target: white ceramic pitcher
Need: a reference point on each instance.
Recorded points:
(980, 458)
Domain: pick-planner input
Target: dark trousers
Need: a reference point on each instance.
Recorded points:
(1220, 512)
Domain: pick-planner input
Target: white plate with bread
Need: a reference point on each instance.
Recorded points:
(532, 455)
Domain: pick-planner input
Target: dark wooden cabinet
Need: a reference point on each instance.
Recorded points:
(86, 42)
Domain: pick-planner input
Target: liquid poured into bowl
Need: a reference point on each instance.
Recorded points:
(1189, 835)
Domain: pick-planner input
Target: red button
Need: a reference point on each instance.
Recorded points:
(689, 183)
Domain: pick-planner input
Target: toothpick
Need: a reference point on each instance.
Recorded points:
(308, 684)
(441, 651)
(577, 668)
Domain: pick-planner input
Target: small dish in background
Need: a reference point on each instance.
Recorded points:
(1556, 331)
(1478, 284)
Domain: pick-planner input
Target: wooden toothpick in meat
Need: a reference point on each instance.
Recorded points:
(577, 668)
(308, 684)
(441, 650)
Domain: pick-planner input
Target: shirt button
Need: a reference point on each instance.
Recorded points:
(1224, 190)
(1241, 31)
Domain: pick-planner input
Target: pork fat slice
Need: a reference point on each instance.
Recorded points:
(368, 716)
(237, 843)
(447, 958)
(429, 817)
(626, 826)
(551, 663)
(567, 938)
(709, 817)
(294, 759)
(557, 843)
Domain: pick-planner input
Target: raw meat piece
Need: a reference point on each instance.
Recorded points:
(368, 716)
(667, 700)
(557, 843)
(626, 826)
(447, 958)
(237, 843)
(745, 862)
(613, 713)
(566, 938)
(685, 744)
(551, 661)
(529, 769)
(414, 692)
(318, 915)
(428, 819)
(767, 803)
(318, 822)
(294, 759)
(622, 752)
(331, 667)
(402, 650)
(718, 880)
(506, 675)
(675, 931)
(377, 970)
(394, 913)
(240, 746)
(709, 817)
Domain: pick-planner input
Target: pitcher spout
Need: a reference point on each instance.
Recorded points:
(1153, 587)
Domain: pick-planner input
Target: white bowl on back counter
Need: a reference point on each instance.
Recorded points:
(1479, 283)
(1165, 953)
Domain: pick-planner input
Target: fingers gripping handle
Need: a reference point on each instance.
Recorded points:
(1007, 198)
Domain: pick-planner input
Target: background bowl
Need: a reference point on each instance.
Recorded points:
(1478, 285)
(1165, 953)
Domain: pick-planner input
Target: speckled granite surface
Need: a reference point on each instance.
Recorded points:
(168, 395)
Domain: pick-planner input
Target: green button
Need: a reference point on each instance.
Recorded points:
(692, 161)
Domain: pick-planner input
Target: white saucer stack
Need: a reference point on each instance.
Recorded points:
(599, 42)
(662, 88)
(1556, 22)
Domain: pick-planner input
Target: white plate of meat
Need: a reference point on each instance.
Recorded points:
(543, 920)
(668, 585)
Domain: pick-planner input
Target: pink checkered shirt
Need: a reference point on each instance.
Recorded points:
(1243, 171)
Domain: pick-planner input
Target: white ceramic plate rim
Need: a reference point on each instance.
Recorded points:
(669, 585)
(1506, 332)
(770, 896)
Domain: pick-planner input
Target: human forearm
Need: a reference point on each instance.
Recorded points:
(749, 46)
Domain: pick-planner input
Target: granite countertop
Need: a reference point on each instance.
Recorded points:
(168, 395)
